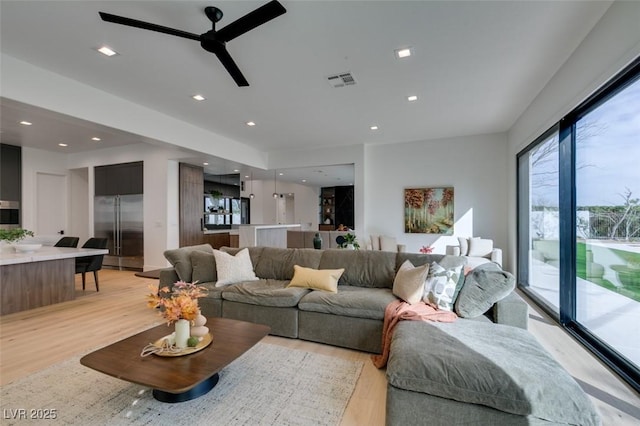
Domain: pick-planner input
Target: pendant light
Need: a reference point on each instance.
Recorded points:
(251, 195)
(275, 193)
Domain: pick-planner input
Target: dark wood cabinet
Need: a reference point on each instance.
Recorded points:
(191, 205)
(218, 240)
(119, 179)
(10, 172)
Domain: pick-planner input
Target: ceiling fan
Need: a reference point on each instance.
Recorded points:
(214, 41)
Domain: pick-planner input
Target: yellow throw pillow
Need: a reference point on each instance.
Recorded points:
(316, 279)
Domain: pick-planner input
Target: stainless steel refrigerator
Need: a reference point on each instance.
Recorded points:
(119, 219)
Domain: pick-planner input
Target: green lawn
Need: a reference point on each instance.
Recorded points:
(581, 270)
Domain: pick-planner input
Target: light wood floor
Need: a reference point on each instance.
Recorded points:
(35, 339)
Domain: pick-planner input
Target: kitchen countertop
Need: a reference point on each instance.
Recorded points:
(221, 231)
(47, 253)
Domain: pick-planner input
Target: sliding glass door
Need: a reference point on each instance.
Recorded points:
(579, 223)
(608, 221)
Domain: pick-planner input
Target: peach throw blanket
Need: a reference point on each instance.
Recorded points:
(400, 310)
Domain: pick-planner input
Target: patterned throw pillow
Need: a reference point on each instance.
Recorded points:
(440, 288)
(233, 269)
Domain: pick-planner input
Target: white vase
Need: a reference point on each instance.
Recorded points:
(183, 332)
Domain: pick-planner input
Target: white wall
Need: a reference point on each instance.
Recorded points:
(476, 166)
(612, 44)
(264, 208)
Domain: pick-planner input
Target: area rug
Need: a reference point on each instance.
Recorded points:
(268, 385)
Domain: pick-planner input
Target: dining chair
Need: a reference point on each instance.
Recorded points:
(67, 242)
(91, 263)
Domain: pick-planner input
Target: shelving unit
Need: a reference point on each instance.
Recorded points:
(327, 209)
(336, 204)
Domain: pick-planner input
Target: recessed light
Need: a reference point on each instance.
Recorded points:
(235, 170)
(250, 123)
(403, 53)
(246, 176)
(198, 97)
(304, 180)
(412, 98)
(62, 144)
(26, 123)
(374, 127)
(107, 51)
(205, 164)
(96, 139)
(280, 174)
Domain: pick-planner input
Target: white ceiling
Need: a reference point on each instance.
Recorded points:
(476, 65)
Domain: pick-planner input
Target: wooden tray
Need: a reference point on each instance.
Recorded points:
(206, 341)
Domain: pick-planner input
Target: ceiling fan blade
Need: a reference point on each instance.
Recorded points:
(251, 20)
(147, 26)
(232, 68)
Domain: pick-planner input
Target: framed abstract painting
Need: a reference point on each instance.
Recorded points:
(428, 210)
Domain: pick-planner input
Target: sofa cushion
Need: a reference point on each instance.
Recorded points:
(494, 365)
(480, 247)
(316, 279)
(265, 292)
(485, 285)
(375, 242)
(362, 268)
(409, 282)
(233, 269)
(418, 259)
(388, 243)
(349, 301)
(203, 266)
(180, 259)
(464, 245)
(277, 263)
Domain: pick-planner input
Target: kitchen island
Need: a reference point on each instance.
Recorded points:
(43, 277)
(264, 235)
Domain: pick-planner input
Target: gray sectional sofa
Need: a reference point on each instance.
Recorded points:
(351, 318)
(430, 363)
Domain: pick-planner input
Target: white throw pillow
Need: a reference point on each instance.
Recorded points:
(479, 247)
(233, 269)
(409, 282)
(440, 288)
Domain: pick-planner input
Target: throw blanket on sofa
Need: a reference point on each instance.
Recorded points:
(401, 310)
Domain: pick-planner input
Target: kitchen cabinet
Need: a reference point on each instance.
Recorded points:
(119, 179)
(10, 172)
(218, 240)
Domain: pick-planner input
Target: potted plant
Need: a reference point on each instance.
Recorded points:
(348, 241)
(12, 236)
(215, 199)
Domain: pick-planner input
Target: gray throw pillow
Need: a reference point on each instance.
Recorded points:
(180, 259)
(485, 285)
(204, 267)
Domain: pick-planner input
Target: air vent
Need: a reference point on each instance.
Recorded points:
(341, 80)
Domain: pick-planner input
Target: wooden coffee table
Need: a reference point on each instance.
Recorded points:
(177, 379)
